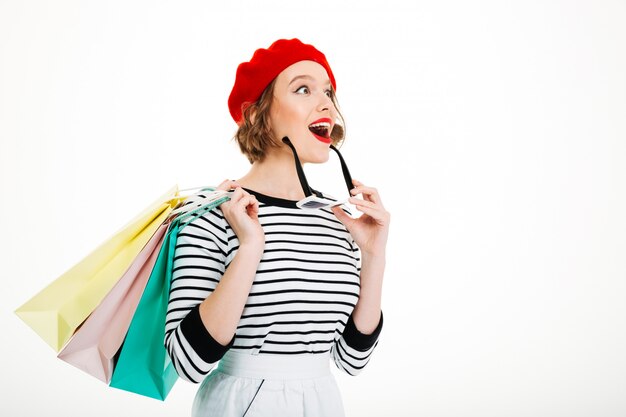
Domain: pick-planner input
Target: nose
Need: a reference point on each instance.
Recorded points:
(325, 103)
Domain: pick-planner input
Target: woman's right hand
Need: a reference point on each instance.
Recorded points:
(241, 213)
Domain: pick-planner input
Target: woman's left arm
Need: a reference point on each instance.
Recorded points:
(367, 311)
(370, 232)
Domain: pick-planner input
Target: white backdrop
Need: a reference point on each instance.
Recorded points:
(494, 131)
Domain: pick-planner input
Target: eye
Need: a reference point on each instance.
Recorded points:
(329, 93)
(303, 90)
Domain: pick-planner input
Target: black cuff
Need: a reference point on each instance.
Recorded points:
(359, 341)
(201, 341)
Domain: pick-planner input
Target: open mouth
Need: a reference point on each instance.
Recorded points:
(321, 128)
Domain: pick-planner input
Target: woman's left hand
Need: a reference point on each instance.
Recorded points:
(370, 231)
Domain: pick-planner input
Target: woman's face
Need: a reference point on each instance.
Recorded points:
(302, 109)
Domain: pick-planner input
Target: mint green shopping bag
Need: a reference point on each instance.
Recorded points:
(143, 365)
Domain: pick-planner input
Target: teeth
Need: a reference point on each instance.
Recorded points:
(322, 124)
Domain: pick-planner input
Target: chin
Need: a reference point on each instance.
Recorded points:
(320, 157)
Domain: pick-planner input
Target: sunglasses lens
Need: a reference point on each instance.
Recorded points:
(314, 205)
(314, 202)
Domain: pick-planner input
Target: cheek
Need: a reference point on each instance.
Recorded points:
(289, 117)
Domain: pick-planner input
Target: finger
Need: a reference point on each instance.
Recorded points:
(369, 193)
(356, 183)
(237, 195)
(376, 214)
(342, 216)
(223, 185)
(365, 203)
(253, 203)
(361, 188)
(227, 185)
(253, 208)
(245, 201)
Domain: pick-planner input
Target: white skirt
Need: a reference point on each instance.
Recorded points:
(269, 385)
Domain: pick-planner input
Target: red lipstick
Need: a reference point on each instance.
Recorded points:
(321, 129)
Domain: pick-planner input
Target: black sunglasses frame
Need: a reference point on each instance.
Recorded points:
(319, 200)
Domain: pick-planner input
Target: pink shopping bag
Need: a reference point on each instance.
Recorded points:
(97, 340)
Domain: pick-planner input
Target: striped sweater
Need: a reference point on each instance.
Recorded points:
(301, 300)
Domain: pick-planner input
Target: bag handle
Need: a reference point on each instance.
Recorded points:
(198, 204)
(178, 197)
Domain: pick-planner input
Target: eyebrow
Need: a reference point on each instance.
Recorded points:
(306, 77)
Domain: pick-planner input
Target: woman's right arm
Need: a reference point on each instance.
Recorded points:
(206, 301)
(221, 312)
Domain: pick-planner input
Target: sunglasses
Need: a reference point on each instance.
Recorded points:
(314, 199)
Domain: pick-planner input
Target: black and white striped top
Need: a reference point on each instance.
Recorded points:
(301, 301)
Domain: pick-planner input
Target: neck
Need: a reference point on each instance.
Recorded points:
(275, 176)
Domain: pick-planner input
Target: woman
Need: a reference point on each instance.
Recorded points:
(271, 291)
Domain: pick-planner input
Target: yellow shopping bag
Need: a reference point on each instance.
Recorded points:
(57, 311)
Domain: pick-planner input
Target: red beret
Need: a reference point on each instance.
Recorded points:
(254, 76)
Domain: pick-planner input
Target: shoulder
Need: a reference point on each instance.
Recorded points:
(200, 218)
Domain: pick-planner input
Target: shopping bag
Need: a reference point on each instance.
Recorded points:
(143, 365)
(95, 343)
(56, 311)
